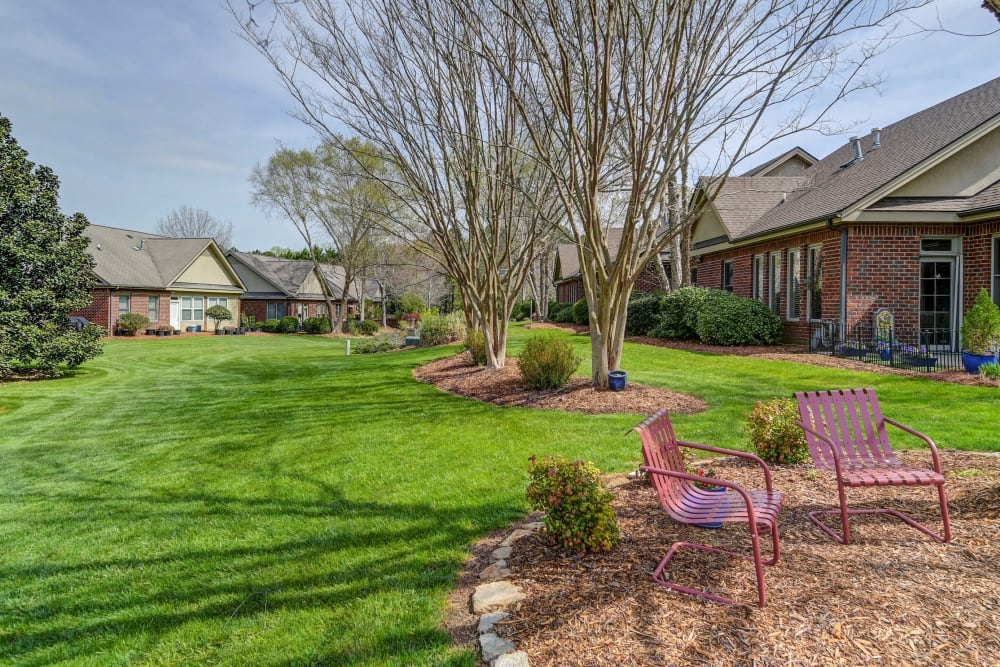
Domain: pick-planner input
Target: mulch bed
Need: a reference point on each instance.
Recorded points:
(891, 597)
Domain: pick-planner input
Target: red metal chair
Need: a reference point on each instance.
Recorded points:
(687, 503)
(846, 433)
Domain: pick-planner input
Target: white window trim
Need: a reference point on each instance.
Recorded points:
(774, 281)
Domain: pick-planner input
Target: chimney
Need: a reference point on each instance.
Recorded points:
(876, 138)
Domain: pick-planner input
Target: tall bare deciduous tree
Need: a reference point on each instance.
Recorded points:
(634, 88)
(195, 223)
(286, 185)
(407, 76)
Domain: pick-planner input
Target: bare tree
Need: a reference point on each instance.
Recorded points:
(286, 185)
(634, 88)
(195, 223)
(406, 76)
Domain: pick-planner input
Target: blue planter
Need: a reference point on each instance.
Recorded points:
(926, 363)
(712, 524)
(972, 362)
(885, 355)
(617, 380)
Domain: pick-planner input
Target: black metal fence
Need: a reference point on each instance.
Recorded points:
(899, 348)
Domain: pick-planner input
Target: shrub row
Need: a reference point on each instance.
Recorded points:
(716, 317)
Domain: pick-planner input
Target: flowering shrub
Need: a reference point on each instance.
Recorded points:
(773, 433)
(579, 516)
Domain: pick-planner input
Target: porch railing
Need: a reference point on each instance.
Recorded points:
(898, 348)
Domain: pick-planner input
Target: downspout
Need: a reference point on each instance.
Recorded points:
(843, 279)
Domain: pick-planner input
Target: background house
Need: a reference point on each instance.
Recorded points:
(906, 218)
(279, 287)
(169, 280)
(569, 281)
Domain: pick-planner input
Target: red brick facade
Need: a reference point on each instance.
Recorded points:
(883, 271)
(106, 305)
(571, 291)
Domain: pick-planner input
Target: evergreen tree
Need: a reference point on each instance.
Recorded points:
(45, 270)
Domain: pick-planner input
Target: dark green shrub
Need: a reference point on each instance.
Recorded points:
(727, 319)
(521, 311)
(475, 345)
(129, 323)
(383, 343)
(547, 363)
(442, 329)
(289, 324)
(773, 433)
(643, 313)
(562, 312)
(679, 313)
(367, 327)
(581, 315)
(271, 326)
(579, 516)
(553, 307)
(316, 325)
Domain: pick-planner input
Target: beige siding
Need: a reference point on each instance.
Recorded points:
(962, 175)
(207, 269)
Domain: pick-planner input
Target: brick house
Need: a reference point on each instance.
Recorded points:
(906, 218)
(278, 288)
(569, 281)
(171, 281)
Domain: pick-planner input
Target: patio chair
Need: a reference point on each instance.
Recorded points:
(846, 433)
(687, 503)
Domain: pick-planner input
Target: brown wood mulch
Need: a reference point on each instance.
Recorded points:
(891, 597)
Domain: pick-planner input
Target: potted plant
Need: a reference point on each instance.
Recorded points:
(921, 358)
(980, 331)
(218, 314)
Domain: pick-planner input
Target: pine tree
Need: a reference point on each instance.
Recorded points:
(45, 270)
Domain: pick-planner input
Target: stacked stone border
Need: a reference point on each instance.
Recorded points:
(491, 599)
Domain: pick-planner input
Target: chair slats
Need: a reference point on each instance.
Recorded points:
(685, 502)
(846, 433)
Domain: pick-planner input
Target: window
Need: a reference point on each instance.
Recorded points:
(320, 310)
(275, 311)
(124, 304)
(154, 309)
(694, 275)
(794, 311)
(727, 276)
(758, 277)
(774, 283)
(814, 282)
(193, 308)
(338, 309)
(218, 301)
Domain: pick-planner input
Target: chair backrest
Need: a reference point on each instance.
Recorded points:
(852, 420)
(660, 450)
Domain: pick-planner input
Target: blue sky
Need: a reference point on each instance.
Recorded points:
(141, 106)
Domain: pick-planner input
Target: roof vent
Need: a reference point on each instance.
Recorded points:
(98, 246)
(141, 246)
(858, 155)
(876, 138)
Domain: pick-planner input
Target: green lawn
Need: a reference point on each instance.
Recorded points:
(270, 501)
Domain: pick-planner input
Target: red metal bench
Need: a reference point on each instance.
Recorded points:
(846, 433)
(687, 503)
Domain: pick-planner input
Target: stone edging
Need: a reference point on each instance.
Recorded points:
(491, 598)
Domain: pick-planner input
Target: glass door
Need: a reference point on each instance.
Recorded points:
(937, 303)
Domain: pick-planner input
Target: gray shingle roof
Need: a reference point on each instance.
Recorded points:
(127, 258)
(289, 275)
(905, 144)
(744, 199)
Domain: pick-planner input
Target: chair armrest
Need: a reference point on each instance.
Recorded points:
(918, 434)
(706, 480)
(733, 452)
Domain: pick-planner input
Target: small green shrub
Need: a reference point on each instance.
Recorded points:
(521, 311)
(129, 323)
(679, 313)
(367, 327)
(981, 326)
(271, 326)
(218, 314)
(727, 319)
(475, 345)
(383, 343)
(773, 433)
(581, 315)
(579, 516)
(989, 371)
(563, 313)
(442, 329)
(289, 324)
(643, 313)
(316, 325)
(547, 363)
